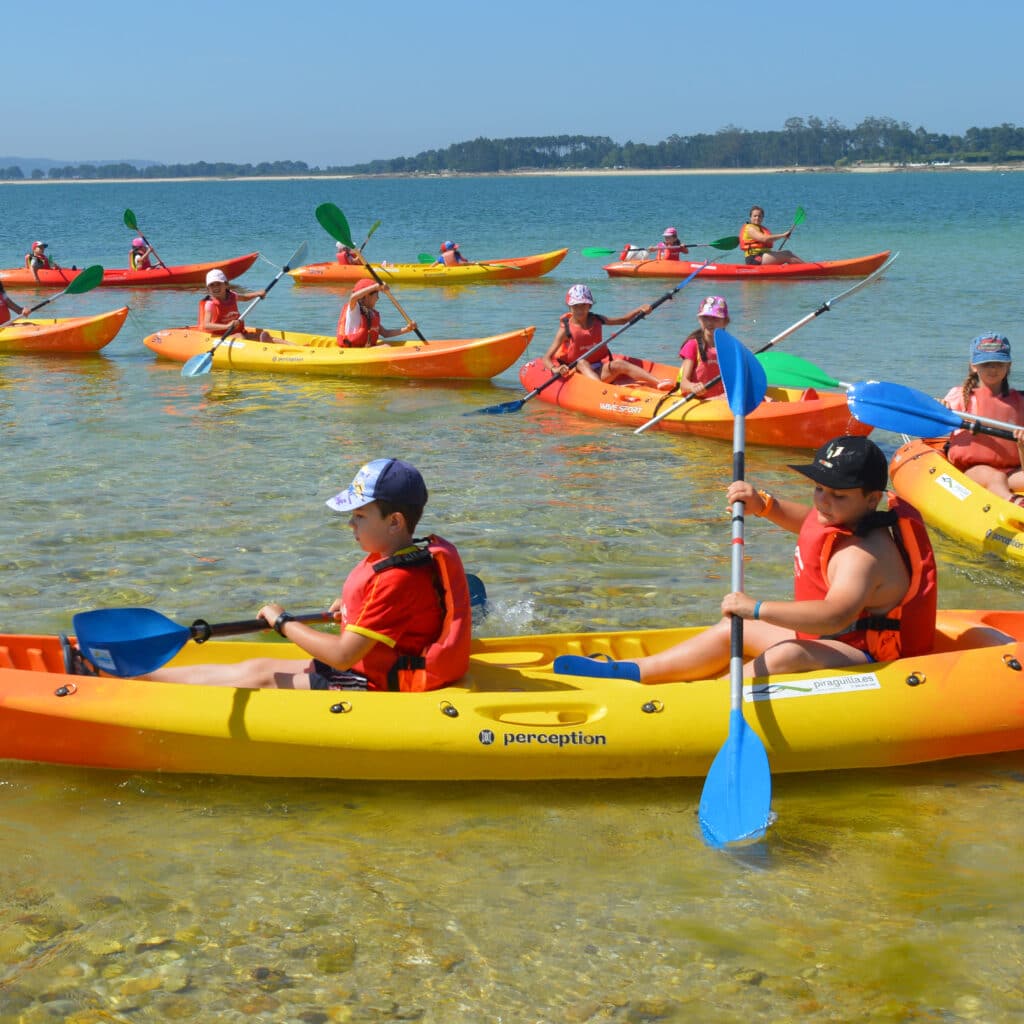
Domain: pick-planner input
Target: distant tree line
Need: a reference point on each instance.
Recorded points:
(801, 142)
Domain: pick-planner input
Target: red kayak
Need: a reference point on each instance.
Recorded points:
(186, 274)
(857, 267)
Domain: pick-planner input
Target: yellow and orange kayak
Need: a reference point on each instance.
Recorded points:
(954, 504)
(787, 418)
(856, 267)
(73, 335)
(513, 718)
(517, 268)
(465, 358)
(185, 274)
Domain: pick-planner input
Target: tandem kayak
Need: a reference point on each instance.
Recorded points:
(741, 271)
(458, 359)
(185, 274)
(69, 335)
(512, 718)
(518, 268)
(787, 418)
(954, 504)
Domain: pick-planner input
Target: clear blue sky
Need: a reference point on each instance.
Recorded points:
(337, 82)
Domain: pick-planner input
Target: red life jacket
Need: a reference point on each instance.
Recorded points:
(139, 262)
(5, 313)
(222, 310)
(367, 334)
(705, 370)
(670, 252)
(909, 628)
(966, 449)
(579, 340)
(446, 660)
(41, 262)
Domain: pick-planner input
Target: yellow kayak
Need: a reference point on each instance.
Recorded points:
(513, 718)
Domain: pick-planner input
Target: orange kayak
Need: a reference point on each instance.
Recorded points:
(461, 359)
(75, 335)
(515, 269)
(787, 418)
(186, 274)
(857, 267)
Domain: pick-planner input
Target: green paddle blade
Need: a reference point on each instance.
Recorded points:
(369, 234)
(86, 280)
(333, 221)
(593, 251)
(425, 257)
(789, 371)
(799, 216)
(130, 221)
(725, 244)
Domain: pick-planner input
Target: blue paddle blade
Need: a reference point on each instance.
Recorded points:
(743, 376)
(198, 365)
(900, 409)
(128, 641)
(477, 597)
(735, 805)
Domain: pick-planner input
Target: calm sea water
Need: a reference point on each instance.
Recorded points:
(890, 895)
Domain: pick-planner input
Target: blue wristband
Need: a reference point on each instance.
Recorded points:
(757, 610)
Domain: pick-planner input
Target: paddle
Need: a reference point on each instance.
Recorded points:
(130, 222)
(725, 244)
(201, 363)
(425, 257)
(84, 281)
(494, 410)
(906, 411)
(735, 804)
(333, 221)
(789, 371)
(823, 308)
(798, 218)
(369, 234)
(135, 641)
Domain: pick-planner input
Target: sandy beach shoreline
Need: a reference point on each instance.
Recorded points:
(594, 172)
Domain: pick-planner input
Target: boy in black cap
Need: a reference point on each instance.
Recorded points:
(863, 587)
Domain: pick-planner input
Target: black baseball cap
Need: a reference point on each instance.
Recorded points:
(848, 461)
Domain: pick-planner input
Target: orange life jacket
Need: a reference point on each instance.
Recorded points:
(753, 246)
(446, 660)
(367, 334)
(966, 449)
(580, 340)
(909, 628)
(41, 262)
(222, 311)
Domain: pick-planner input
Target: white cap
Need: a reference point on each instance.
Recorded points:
(216, 275)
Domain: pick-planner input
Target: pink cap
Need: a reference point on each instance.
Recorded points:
(669, 232)
(714, 305)
(578, 295)
(138, 243)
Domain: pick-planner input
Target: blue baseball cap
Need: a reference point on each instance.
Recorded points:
(990, 348)
(382, 480)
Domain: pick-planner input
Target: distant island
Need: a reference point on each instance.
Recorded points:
(801, 142)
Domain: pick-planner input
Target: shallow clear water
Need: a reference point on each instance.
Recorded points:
(879, 895)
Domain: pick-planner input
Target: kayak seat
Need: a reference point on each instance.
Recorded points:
(810, 395)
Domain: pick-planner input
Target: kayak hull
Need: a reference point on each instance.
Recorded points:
(70, 335)
(511, 718)
(956, 505)
(156, 277)
(458, 359)
(789, 418)
(517, 268)
(856, 267)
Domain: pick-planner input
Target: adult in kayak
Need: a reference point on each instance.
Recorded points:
(346, 256)
(700, 360)
(994, 462)
(359, 322)
(36, 259)
(8, 306)
(670, 247)
(218, 310)
(756, 241)
(580, 330)
(398, 630)
(450, 255)
(139, 256)
(864, 582)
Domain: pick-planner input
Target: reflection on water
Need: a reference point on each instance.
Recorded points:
(546, 902)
